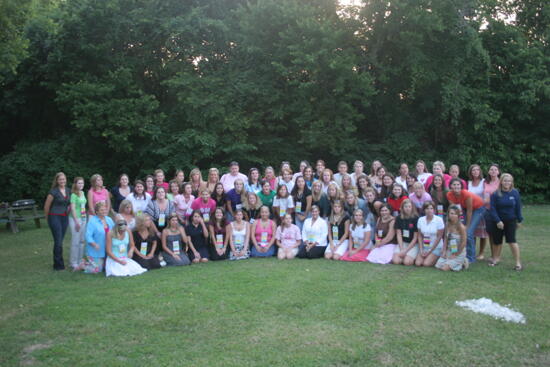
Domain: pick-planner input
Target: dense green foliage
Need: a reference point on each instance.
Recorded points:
(131, 85)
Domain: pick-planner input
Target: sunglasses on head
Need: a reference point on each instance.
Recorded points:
(120, 224)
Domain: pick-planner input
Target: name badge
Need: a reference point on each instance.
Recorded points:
(282, 212)
(219, 240)
(453, 242)
(238, 240)
(356, 242)
(427, 243)
(239, 206)
(162, 220)
(82, 210)
(406, 233)
(440, 209)
(380, 233)
(263, 239)
(310, 237)
(189, 211)
(143, 248)
(298, 207)
(176, 247)
(206, 217)
(252, 220)
(122, 249)
(139, 212)
(335, 233)
(395, 213)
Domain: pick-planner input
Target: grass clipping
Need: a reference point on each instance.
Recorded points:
(488, 307)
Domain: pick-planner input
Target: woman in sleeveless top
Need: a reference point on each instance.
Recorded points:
(382, 253)
(263, 237)
(238, 233)
(174, 243)
(119, 249)
(453, 255)
(338, 232)
(145, 243)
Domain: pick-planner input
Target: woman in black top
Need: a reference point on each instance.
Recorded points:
(121, 191)
(218, 195)
(301, 195)
(146, 244)
(56, 210)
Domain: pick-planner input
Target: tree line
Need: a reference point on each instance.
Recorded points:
(114, 86)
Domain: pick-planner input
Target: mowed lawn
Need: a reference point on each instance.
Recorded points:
(264, 312)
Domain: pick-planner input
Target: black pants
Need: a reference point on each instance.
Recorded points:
(58, 225)
(315, 252)
(214, 254)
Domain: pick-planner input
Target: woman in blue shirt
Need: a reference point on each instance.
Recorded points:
(506, 216)
(96, 233)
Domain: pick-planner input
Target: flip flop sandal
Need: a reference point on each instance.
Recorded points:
(492, 263)
(518, 268)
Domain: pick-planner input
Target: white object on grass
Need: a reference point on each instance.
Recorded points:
(488, 307)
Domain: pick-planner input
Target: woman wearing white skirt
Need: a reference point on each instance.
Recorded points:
(120, 248)
(453, 255)
(338, 231)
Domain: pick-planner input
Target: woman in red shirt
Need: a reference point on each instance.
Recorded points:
(475, 210)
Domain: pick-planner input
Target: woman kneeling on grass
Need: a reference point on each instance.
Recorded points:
(407, 235)
(314, 235)
(288, 238)
(197, 234)
(120, 248)
(359, 238)
(145, 241)
(338, 232)
(382, 252)
(430, 234)
(96, 233)
(173, 243)
(453, 256)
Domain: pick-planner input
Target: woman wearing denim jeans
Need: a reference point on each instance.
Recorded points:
(475, 209)
(56, 210)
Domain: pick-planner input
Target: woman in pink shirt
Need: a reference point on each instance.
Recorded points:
(490, 185)
(183, 203)
(205, 204)
(438, 168)
(97, 193)
(288, 238)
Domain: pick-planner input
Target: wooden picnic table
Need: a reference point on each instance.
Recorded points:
(13, 214)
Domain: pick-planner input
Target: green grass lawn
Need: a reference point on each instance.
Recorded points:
(263, 312)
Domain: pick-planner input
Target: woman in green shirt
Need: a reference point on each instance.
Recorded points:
(267, 195)
(77, 222)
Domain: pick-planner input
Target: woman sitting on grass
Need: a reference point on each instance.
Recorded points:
(338, 232)
(263, 235)
(453, 255)
(173, 243)
(238, 233)
(385, 242)
(120, 248)
(218, 236)
(406, 250)
(430, 234)
(314, 235)
(288, 238)
(145, 242)
(359, 238)
(97, 229)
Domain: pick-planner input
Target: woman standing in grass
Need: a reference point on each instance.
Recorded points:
(213, 179)
(197, 184)
(77, 222)
(338, 232)
(97, 193)
(197, 235)
(218, 236)
(359, 238)
(263, 235)
(397, 196)
(126, 210)
(308, 176)
(96, 233)
(150, 185)
(438, 192)
(419, 196)
(145, 242)
(173, 243)
(120, 248)
(314, 235)
(56, 209)
(238, 233)
(507, 216)
(139, 198)
(160, 208)
(219, 195)
(288, 238)
(421, 171)
(234, 198)
(251, 207)
(492, 182)
(453, 254)
(183, 202)
(267, 195)
(406, 250)
(282, 203)
(430, 234)
(319, 199)
(174, 190)
(121, 191)
(253, 184)
(385, 242)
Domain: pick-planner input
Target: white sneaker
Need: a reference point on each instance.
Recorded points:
(163, 263)
(466, 263)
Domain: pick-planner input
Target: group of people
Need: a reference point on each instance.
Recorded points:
(413, 218)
